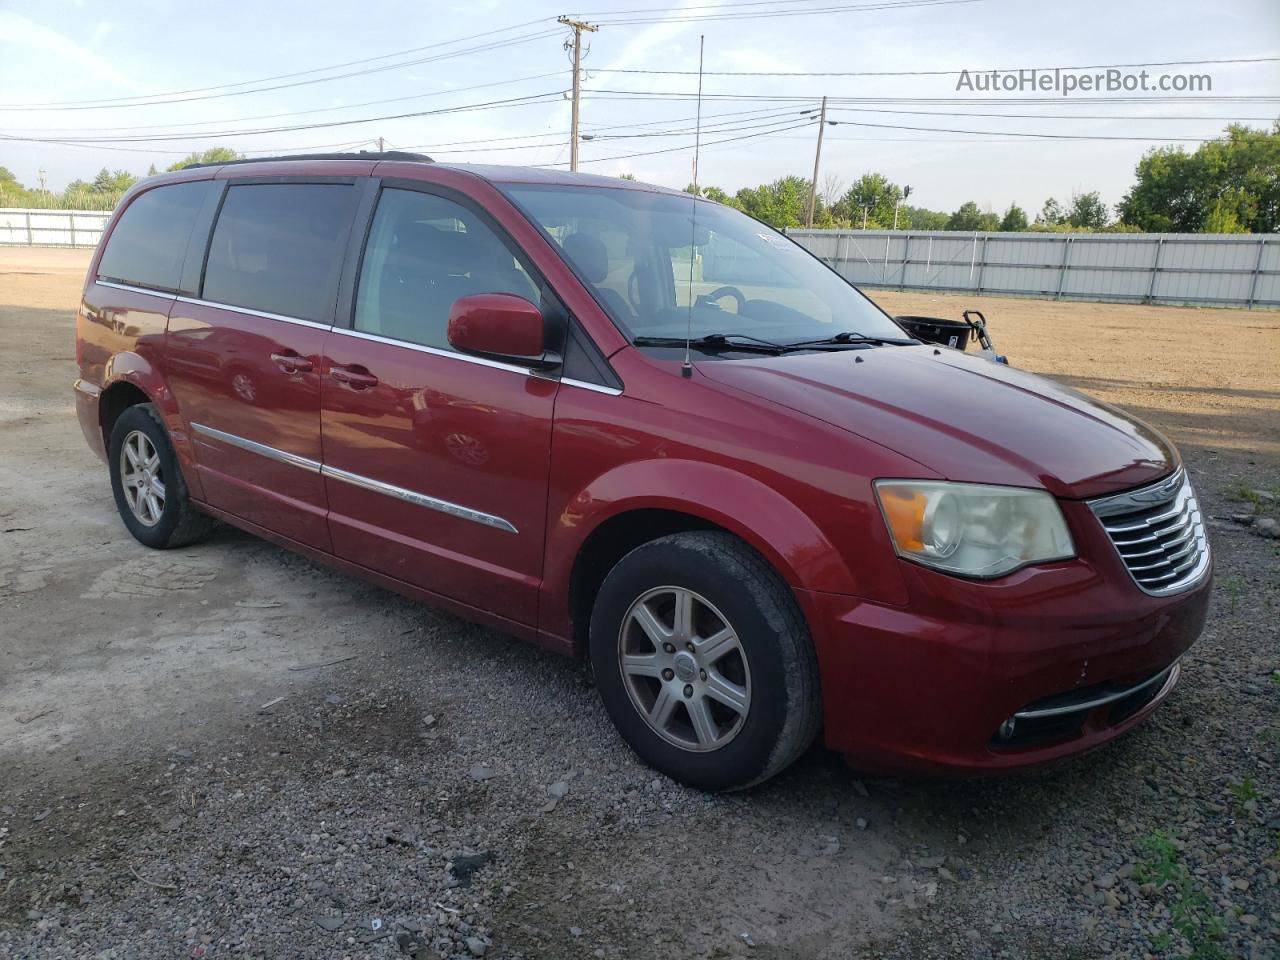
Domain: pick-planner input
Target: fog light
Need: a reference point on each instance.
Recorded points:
(1006, 729)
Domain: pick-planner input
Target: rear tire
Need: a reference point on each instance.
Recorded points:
(147, 482)
(704, 661)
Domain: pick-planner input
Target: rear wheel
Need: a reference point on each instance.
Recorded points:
(150, 492)
(704, 661)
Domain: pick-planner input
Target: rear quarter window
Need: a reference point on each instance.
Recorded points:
(278, 248)
(148, 245)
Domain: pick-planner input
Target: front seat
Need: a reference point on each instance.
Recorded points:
(587, 252)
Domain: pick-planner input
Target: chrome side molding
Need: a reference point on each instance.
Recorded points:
(261, 449)
(420, 499)
(358, 480)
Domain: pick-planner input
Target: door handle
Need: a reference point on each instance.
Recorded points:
(356, 377)
(290, 362)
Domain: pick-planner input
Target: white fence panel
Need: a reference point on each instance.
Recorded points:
(52, 228)
(1229, 270)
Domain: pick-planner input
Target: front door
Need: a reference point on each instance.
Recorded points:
(243, 360)
(436, 463)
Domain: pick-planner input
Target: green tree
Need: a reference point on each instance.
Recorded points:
(719, 196)
(1088, 211)
(783, 203)
(1051, 213)
(108, 182)
(874, 194)
(212, 155)
(6, 176)
(626, 176)
(968, 217)
(918, 218)
(1227, 184)
(1015, 219)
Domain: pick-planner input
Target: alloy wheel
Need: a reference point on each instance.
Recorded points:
(684, 668)
(142, 478)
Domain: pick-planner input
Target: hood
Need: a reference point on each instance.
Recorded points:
(967, 418)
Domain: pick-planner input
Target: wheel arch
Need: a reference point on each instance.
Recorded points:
(639, 502)
(130, 378)
(115, 400)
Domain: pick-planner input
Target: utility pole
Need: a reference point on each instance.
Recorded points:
(817, 158)
(380, 145)
(906, 192)
(578, 26)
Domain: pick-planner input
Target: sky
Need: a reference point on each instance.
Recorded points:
(754, 128)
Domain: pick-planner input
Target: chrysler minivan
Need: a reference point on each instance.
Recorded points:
(630, 424)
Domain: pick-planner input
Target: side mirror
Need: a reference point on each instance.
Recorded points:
(499, 325)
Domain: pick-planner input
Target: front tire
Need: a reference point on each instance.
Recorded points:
(147, 482)
(704, 661)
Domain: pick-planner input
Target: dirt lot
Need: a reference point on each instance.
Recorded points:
(227, 750)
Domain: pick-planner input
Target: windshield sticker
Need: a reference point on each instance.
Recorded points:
(778, 243)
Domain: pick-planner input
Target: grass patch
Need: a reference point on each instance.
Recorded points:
(1192, 913)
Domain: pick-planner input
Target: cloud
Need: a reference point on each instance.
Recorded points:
(33, 39)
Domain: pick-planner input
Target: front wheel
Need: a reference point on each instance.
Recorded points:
(704, 661)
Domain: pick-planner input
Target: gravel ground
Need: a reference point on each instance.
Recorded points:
(226, 750)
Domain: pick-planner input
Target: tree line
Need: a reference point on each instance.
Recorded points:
(103, 192)
(1229, 185)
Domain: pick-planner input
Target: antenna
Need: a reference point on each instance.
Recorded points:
(686, 370)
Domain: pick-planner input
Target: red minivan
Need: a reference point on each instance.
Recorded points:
(630, 424)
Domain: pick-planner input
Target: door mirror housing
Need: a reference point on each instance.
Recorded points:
(501, 326)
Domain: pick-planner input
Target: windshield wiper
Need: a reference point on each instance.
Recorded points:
(849, 336)
(724, 341)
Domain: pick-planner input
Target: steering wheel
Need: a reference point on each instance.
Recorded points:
(720, 292)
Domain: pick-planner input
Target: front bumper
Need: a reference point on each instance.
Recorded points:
(927, 686)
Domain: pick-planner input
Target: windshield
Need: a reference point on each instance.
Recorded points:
(647, 260)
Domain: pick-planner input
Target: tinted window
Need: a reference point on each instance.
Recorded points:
(148, 244)
(278, 248)
(424, 253)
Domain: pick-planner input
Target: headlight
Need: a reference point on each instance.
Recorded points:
(973, 529)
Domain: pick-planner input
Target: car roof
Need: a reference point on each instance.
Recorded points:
(494, 173)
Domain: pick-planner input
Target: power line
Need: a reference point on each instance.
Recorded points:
(533, 98)
(771, 14)
(437, 151)
(650, 153)
(289, 113)
(279, 76)
(714, 6)
(483, 48)
(233, 89)
(1011, 133)
(928, 73)
(606, 94)
(1047, 116)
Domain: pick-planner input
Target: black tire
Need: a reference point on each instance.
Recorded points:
(784, 710)
(178, 523)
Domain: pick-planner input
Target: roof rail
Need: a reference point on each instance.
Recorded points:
(361, 155)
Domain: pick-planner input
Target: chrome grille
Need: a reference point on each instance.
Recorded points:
(1159, 533)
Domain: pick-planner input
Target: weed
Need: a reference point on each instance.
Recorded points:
(1232, 586)
(1262, 502)
(1192, 913)
(1244, 791)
